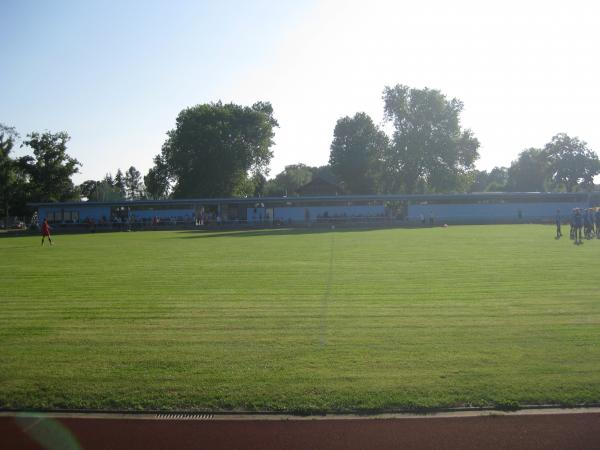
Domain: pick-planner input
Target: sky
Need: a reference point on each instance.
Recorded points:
(115, 74)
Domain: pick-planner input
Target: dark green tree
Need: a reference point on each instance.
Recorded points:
(326, 173)
(119, 183)
(430, 151)
(530, 172)
(88, 188)
(215, 148)
(50, 169)
(134, 187)
(357, 154)
(572, 164)
(108, 178)
(259, 183)
(157, 179)
(497, 180)
(289, 180)
(8, 170)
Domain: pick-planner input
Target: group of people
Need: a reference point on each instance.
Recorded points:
(584, 223)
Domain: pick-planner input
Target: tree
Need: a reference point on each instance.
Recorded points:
(100, 191)
(8, 177)
(106, 192)
(216, 147)
(119, 183)
(529, 173)
(88, 188)
(157, 179)
(429, 151)
(109, 179)
(50, 169)
(326, 173)
(133, 183)
(357, 154)
(289, 180)
(497, 180)
(571, 162)
(259, 183)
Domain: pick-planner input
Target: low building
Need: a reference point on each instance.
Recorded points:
(311, 209)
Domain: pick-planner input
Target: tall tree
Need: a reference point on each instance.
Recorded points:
(430, 150)
(8, 166)
(259, 182)
(157, 179)
(119, 183)
(51, 168)
(357, 154)
(571, 162)
(133, 183)
(216, 147)
(530, 172)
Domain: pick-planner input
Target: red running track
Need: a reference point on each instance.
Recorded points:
(579, 431)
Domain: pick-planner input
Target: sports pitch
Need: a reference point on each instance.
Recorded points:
(299, 321)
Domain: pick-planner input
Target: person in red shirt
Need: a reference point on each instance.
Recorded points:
(46, 231)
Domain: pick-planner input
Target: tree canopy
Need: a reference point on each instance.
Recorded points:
(215, 149)
(430, 151)
(289, 180)
(157, 179)
(8, 169)
(571, 162)
(134, 186)
(50, 169)
(530, 172)
(358, 153)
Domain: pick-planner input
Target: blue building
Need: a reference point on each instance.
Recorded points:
(474, 208)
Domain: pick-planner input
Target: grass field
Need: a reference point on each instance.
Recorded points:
(300, 321)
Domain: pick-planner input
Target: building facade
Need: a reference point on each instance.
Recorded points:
(307, 210)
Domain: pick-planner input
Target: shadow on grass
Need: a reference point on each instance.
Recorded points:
(246, 233)
(17, 233)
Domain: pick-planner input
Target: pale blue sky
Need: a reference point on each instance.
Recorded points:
(115, 74)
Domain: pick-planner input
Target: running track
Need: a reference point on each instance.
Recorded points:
(542, 430)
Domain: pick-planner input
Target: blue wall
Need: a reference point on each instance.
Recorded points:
(256, 215)
(94, 212)
(85, 212)
(163, 213)
(99, 212)
(297, 214)
(493, 212)
(443, 213)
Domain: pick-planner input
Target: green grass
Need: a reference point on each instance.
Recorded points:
(300, 321)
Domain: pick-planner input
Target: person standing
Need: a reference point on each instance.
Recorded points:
(46, 231)
(578, 226)
(558, 232)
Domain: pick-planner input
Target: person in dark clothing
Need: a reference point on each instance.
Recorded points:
(578, 220)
